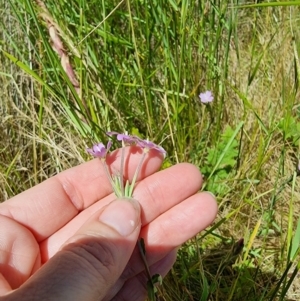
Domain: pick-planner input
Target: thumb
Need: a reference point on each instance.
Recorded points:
(92, 260)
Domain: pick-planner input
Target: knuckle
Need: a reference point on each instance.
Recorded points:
(98, 258)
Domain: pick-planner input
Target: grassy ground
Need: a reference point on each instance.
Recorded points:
(139, 66)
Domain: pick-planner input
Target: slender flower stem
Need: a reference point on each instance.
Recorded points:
(122, 171)
(115, 188)
(136, 173)
(150, 284)
(143, 255)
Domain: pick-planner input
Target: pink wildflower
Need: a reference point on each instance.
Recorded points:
(99, 150)
(206, 97)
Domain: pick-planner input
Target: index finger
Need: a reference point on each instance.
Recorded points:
(50, 205)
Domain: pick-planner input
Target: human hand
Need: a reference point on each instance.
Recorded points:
(59, 239)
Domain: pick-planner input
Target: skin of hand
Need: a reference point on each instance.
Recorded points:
(69, 238)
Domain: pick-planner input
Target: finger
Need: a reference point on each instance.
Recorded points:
(19, 254)
(91, 261)
(156, 194)
(181, 222)
(50, 205)
(161, 191)
(170, 230)
(4, 285)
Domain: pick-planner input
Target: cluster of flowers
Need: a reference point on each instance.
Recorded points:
(99, 150)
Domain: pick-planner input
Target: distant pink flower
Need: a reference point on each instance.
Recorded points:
(99, 150)
(206, 97)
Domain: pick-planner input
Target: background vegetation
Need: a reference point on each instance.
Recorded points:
(139, 66)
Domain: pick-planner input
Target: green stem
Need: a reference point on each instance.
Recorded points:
(122, 172)
(118, 193)
(143, 252)
(136, 174)
(151, 289)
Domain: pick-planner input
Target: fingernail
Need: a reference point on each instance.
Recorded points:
(123, 215)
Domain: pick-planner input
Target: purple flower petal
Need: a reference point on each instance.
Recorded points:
(147, 145)
(134, 140)
(127, 139)
(206, 97)
(99, 150)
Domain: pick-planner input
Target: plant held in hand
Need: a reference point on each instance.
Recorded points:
(122, 190)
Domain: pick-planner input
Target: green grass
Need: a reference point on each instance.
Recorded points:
(140, 66)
